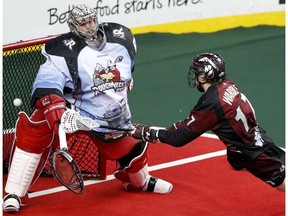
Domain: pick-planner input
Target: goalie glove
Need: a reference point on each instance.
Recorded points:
(53, 108)
(145, 133)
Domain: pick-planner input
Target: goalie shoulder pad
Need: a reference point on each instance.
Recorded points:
(66, 45)
(117, 33)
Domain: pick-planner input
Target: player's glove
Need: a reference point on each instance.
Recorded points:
(53, 108)
(144, 132)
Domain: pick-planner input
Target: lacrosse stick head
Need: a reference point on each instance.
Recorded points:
(72, 121)
(66, 171)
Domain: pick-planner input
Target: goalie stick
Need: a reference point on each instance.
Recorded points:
(65, 168)
(63, 165)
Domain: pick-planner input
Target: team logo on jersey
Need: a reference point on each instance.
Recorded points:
(119, 33)
(108, 77)
(69, 43)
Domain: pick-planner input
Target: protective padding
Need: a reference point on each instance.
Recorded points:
(116, 149)
(136, 172)
(138, 162)
(53, 108)
(139, 179)
(22, 171)
(142, 181)
(32, 136)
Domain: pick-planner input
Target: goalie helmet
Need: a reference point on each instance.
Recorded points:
(81, 15)
(211, 64)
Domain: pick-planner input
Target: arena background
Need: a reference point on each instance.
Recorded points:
(142, 16)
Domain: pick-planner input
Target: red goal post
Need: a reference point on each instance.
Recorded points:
(21, 62)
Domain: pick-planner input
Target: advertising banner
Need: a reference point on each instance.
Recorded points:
(24, 20)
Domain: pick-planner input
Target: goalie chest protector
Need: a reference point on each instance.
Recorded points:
(59, 46)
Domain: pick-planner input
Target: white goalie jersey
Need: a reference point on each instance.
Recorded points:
(94, 82)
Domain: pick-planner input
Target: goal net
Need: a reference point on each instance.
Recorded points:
(21, 62)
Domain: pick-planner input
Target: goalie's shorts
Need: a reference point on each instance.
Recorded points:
(113, 146)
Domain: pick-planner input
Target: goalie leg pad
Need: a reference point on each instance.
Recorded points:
(21, 172)
(32, 136)
(142, 181)
(135, 160)
(133, 166)
(135, 176)
(137, 180)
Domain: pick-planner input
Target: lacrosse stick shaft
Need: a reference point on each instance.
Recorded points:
(115, 128)
(68, 174)
(62, 138)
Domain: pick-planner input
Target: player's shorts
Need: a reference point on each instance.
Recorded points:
(269, 166)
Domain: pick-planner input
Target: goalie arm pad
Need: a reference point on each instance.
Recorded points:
(53, 108)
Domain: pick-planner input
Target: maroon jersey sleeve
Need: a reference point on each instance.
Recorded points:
(221, 109)
(201, 119)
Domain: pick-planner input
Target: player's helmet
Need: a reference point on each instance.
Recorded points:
(212, 64)
(81, 14)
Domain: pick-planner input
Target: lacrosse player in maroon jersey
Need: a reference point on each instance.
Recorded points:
(90, 68)
(225, 111)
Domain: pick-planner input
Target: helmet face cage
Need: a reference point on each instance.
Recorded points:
(80, 15)
(192, 74)
(211, 64)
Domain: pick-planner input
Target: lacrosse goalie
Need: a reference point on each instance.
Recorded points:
(78, 71)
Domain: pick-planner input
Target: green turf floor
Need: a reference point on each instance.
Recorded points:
(255, 61)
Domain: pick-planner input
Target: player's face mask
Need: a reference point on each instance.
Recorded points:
(83, 22)
(192, 78)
